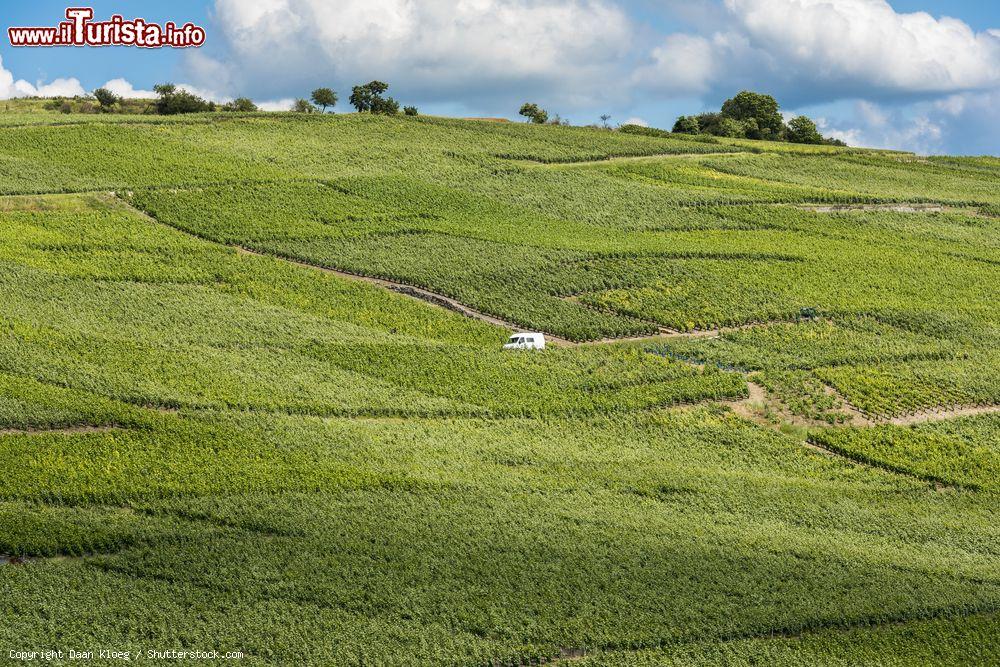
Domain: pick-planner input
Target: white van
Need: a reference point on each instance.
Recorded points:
(526, 341)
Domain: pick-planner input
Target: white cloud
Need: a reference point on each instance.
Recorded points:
(681, 64)
(276, 105)
(557, 50)
(872, 114)
(636, 121)
(963, 124)
(969, 122)
(902, 128)
(61, 87)
(867, 41)
(815, 50)
(70, 87)
(123, 88)
(206, 93)
(9, 87)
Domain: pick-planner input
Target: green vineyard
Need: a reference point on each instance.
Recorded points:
(239, 410)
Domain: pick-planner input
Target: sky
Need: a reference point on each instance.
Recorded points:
(920, 75)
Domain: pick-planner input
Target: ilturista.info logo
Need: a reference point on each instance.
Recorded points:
(80, 29)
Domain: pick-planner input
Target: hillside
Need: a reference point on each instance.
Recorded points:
(239, 410)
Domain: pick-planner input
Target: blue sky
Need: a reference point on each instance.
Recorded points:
(872, 72)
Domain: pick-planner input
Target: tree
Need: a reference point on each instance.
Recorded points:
(368, 98)
(604, 120)
(534, 113)
(162, 89)
(302, 106)
(802, 130)
(731, 128)
(687, 125)
(709, 122)
(410, 111)
(174, 100)
(324, 97)
(241, 104)
(106, 98)
(763, 109)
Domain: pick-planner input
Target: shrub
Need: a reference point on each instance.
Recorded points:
(368, 99)
(173, 100)
(534, 113)
(687, 125)
(240, 104)
(106, 98)
(802, 130)
(302, 106)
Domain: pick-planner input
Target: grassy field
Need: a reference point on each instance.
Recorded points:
(220, 433)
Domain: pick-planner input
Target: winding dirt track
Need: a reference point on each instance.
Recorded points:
(418, 293)
(426, 295)
(944, 414)
(752, 408)
(747, 408)
(629, 158)
(68, 430)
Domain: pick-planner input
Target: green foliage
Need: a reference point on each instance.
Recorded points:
(410, 111)
(939, 642)
(802, 130)
(302, 106)
(369, 99)
(340, 361)
(689, 140)
(804, 395)
(687, 125)
(710, 123)
(106, 98)
(729, 127)
(534, 113)
(755, 116)
(314, 469)
(172, 100)
(324, 97)
(241, 105)
(758, 114)
(964, 453)
(897, 389)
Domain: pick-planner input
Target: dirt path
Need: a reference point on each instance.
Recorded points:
(668, 334)
(758, 396)
(628, 158)
(68, 430)
(441, 300)
(663, 334)
(569, 656)
(405, 289)
(893, 208)
(936, 415)
(902, 207)
(858, 418)
(751, 408)
(855, 417)
(16, 560)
